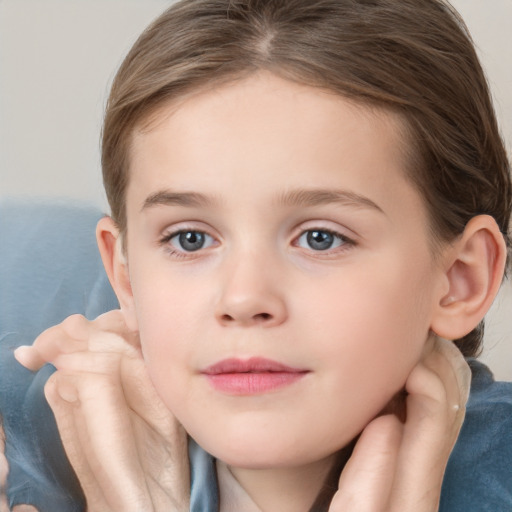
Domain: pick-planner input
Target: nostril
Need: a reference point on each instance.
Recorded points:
(260, 317)
(263, 316)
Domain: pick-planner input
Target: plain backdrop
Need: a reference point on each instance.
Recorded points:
(58, 57)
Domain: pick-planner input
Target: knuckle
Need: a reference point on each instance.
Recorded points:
(111, 320)
(62, 388)
(48, 335)
(48, 342)
(50, 388)
(74, 324)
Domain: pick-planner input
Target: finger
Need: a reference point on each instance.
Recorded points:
(139, 392)
(366, 481)
(457, 391)
(108, 333)
(442, 380)
(107, 363)
(439, 388)
(103, 424)
(432, 426)
(423, 454)
(69, 336)
(150, 418)
(149, 410)
(74, 438)
(114, 321)
(143, 399)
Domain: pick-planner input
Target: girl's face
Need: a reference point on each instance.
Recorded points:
(280, 267)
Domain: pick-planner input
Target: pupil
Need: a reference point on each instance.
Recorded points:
(320, 240)
(191, 240)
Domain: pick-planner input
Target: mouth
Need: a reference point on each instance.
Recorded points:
(252, 376)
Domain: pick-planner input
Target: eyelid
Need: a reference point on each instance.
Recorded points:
(340, 236)
(179, 227)
(325, 225)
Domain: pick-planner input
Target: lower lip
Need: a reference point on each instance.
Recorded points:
(253, 383)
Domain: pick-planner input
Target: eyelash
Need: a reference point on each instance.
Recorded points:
(345, 243)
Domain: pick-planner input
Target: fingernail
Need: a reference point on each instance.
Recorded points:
(21, 355)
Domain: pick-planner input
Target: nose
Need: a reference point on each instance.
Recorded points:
(251, 294)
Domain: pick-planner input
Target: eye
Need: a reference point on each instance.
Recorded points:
(189, 240)
(321, 240)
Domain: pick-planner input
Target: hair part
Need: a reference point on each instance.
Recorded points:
(412, 57)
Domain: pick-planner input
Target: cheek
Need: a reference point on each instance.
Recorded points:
(169, 327)
(170, 319)
(373, 326)
(167, 303)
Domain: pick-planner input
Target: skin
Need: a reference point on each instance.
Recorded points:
(357, 317)
(258, 290)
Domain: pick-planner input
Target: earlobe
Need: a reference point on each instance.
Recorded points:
(110, 245)
(475, 265)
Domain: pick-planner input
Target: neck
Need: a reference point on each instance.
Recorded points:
(297, 489)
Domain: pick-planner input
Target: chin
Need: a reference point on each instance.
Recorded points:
(264, 450)
(259, 459)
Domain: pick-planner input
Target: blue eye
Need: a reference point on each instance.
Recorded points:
(320, 240)
(190, 241)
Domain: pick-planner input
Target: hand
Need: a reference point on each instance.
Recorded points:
(126, 447)
(4, 471)
(399, 466)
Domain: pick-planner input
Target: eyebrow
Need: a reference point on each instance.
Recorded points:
(318, 197)
(170, 198)
(297, 198)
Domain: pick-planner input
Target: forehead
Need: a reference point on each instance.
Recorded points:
(265, 95)
(278, 133)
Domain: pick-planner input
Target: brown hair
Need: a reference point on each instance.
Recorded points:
(414, 57)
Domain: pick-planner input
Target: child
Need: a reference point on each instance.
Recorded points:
(308, 199)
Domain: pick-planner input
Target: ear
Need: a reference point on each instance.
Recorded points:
(110, 244)
(474, 265)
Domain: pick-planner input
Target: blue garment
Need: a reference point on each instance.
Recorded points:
(478, 477)
(50, 268)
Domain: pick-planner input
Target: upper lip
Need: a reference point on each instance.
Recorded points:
(252, 365)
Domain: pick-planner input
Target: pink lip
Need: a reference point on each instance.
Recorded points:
(251, 376)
